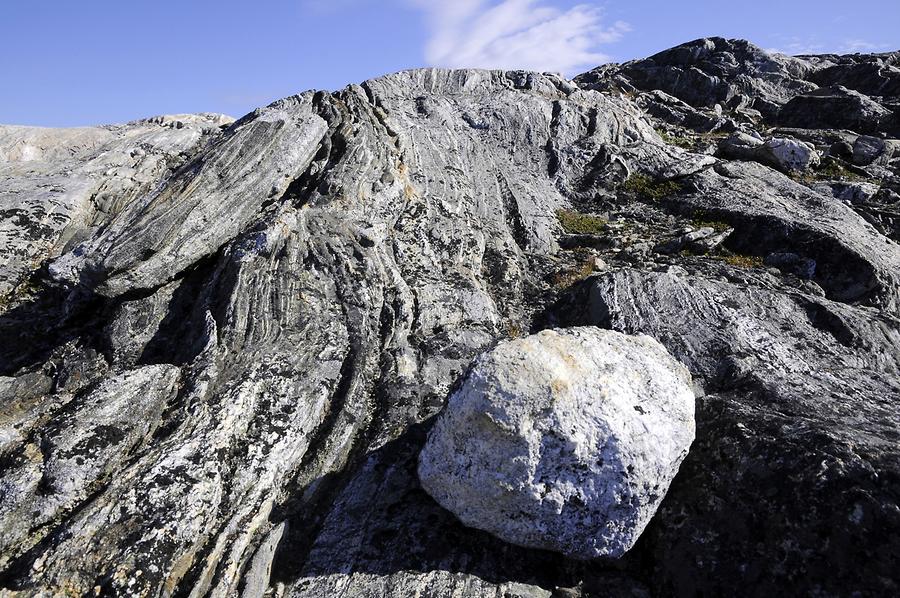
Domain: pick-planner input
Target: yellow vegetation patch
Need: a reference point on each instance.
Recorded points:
(580, 224)
(643, 185)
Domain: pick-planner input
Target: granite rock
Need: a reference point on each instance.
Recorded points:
(565, 440)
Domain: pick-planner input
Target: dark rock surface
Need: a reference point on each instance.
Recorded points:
(840, 108)
(223, 344)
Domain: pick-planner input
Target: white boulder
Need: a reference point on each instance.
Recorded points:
(564, 440)
(783, 153)
(789, 155)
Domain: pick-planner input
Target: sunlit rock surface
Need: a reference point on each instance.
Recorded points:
(222, 344)
(564, 440)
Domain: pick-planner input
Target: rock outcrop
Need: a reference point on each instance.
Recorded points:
(224, 344)
(59, 186)
(565, 440)
(840, 108)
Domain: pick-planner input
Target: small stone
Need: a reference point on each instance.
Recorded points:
(710, 242)
(564, 440)
(867, 149)
(789, 155)
(792, 263)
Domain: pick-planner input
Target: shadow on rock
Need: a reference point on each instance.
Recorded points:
(383, 523)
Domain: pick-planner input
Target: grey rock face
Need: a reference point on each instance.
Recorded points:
(714, 70)
(784, 154)
(565, 441)
(223, 344)
(78, 446)
(837, 107)
(255, 160)
(673, 110)
(873, 75)
(58, 187)
(766, 412)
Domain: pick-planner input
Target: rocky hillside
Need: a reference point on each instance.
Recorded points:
(223, 343)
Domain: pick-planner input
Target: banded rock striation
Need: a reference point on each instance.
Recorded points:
(224, 343)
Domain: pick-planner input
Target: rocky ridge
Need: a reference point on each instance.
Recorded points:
(224, 342)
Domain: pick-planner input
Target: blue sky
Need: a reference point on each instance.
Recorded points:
(67, 62)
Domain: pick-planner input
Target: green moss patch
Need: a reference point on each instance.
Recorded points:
(645, 186)
(576, 223)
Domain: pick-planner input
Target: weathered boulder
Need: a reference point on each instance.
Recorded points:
(849, 191)
(740, 145)
(867, 149)
(565, 440)
(836, 107)
(874, 150)
(782, 153)
(788, 155)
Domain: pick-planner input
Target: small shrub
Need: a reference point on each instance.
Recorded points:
(514, 330)
(716, 225)
(643, 185)
(25, 290)
(580, 224)
(576, 273)
(744, 261)
(833, 170)
(676, 141)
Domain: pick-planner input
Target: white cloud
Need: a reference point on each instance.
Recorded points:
(516, 34)
(852, 46)
(795, 46)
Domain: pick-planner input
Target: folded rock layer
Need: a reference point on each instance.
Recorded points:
(223, 343)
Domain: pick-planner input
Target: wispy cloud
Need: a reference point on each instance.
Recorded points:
(511, 34)
(795, 46)
(852, 46)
